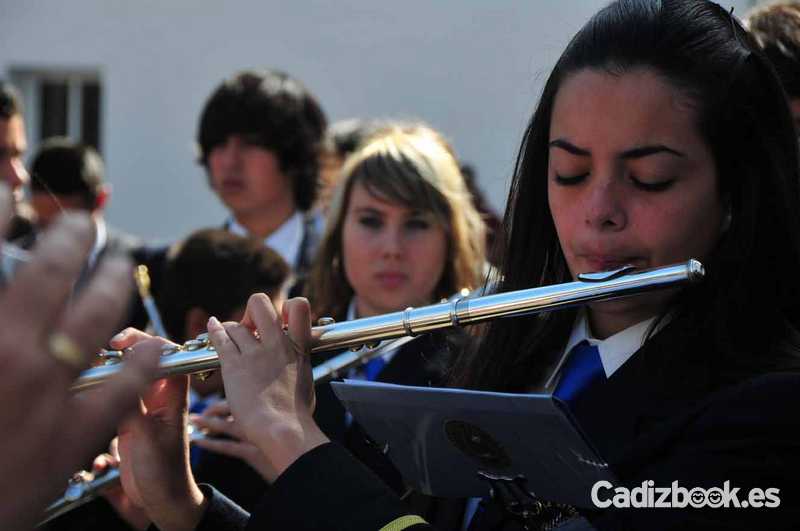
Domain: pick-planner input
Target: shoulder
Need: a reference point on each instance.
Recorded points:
(743, 436)
(120, 241)
(738, 421)
(756, 402)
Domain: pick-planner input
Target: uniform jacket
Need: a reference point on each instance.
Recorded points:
(661, 423)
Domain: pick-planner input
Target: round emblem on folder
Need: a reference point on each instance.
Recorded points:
(476, 444)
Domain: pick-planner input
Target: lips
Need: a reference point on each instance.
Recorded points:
(231, 186)
(391, 280)
(602, 262)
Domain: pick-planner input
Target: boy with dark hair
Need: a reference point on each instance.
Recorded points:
(238, 266)
(259, 137)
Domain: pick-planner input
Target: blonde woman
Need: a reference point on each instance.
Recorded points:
(402, 229)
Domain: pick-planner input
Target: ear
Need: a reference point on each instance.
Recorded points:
(103, 195)
(195, 323)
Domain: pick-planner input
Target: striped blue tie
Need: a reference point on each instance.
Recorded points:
(580, 374)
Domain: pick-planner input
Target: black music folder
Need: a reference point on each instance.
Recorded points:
(459, 443)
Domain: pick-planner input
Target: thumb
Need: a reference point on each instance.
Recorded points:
(297, 314)
(168, 397)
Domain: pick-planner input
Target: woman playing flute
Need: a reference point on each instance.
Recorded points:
(662, 134)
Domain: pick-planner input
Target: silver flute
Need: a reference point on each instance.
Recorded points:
(85, 486)
(362, 335)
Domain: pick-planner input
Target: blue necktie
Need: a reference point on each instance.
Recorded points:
(373, 368)
(582, 372)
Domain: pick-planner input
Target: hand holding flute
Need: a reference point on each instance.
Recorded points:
(269, 365)
(154, 446)
(269, 385)
(279, 420)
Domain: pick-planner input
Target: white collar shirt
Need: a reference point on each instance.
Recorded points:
(100, 241)
(286, 240)
(614, 350)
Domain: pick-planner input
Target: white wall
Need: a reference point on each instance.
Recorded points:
(472, 68)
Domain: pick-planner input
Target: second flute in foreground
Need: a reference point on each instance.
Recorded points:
(197, 356)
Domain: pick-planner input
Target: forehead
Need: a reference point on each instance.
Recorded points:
(12, 133)
(363, 197)
(595, 109)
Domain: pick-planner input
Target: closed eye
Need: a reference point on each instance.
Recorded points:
(570, 180)
(658, 186)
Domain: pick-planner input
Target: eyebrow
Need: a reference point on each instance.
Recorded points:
(635, 153)
(372, 210)
(368, 210)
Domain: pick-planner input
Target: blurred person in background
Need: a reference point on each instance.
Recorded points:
(344, 137)
(67, 175)
(13, 144)
(259, 138)
(776, 29)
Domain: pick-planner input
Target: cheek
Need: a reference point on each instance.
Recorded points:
(355, 254)
(356, 241)
(685, 230)
(565, 211)
(692, 231)
(213, 170)
(428, 259)
(263, 168)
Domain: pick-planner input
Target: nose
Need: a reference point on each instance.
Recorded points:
(392, 243)
(604, 207)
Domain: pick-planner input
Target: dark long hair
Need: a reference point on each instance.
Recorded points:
(746, 312)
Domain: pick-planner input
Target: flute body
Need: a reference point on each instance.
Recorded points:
(85, 486)
(198, 356)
